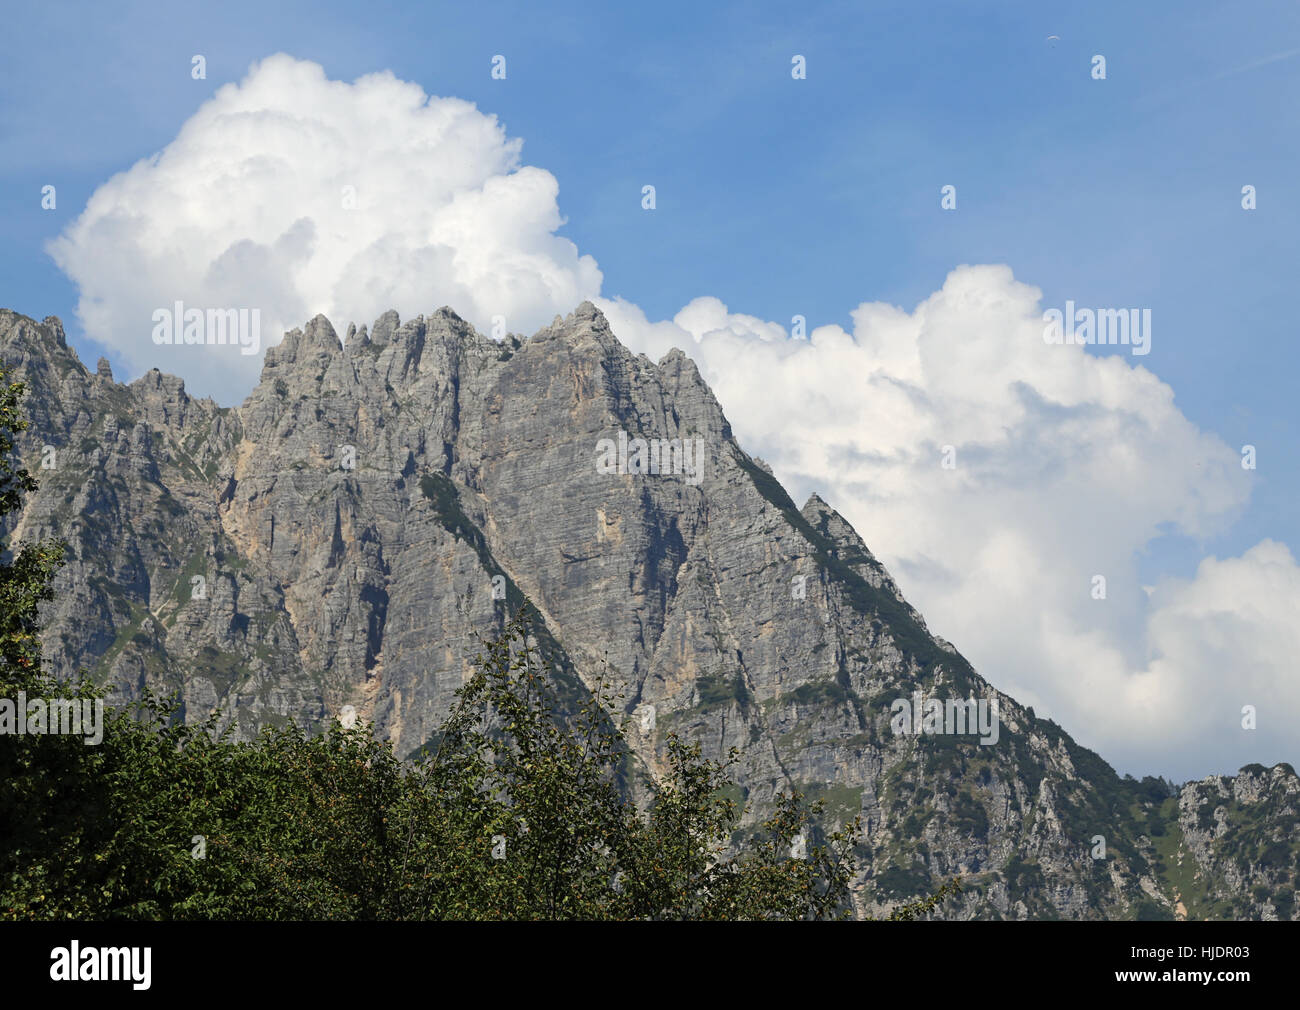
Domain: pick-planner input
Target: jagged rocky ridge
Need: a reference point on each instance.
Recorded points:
(335, 541)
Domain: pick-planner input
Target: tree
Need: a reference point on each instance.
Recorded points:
(25, 579)
(517, 810)
(528, 804)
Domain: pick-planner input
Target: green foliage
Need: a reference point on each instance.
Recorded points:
(516, 815)
(719, 691)
(25, 578)
(1023, 877)
(819, 692)
(971, 817)
(898, 881)
(923, 906)
(514, 812)
(1147, 910)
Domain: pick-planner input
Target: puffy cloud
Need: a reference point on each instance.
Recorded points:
(1067, 463)
(295, 194)
(1229, 636)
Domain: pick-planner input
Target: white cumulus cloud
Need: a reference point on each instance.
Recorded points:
(1067, 463)
(295, 194)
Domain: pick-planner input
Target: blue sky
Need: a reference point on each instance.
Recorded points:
(783, 198)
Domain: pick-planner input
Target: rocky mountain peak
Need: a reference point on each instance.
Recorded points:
(374, 506)
(385, 326)
(319, 334)
(54, 325)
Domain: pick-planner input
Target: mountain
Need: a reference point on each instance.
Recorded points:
(343, 536)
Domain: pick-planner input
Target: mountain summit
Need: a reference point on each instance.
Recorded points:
(377, 501)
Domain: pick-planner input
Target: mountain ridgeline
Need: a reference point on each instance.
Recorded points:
(378, 504)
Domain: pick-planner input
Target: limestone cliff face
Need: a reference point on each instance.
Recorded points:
(343, 536)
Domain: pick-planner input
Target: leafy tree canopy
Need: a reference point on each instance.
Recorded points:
(515, 811)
